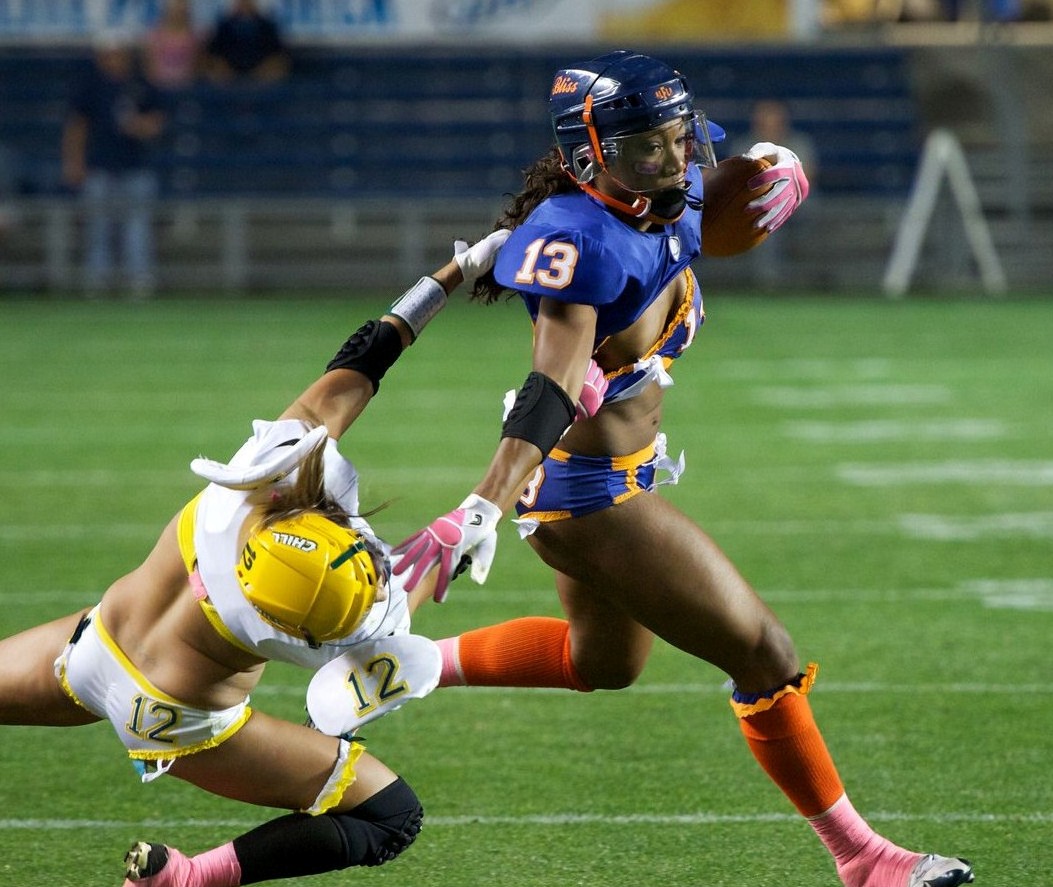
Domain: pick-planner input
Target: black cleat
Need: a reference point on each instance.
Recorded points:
(144, 860)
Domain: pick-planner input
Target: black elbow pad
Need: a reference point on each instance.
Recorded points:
(542, 412)
(371, 350)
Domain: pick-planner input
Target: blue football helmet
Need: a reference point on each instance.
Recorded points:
(621, 93)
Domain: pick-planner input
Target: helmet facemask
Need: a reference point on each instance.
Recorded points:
(626, 157)
(642, 163)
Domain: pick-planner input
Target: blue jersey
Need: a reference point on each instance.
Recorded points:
(574, 249)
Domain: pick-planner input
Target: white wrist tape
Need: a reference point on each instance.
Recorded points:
(419, 304)
(490, 514)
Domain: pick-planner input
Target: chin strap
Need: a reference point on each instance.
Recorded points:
(638, 209)
(669, 209)
(669, 205)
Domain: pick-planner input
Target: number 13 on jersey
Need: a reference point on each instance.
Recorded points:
(562, 256)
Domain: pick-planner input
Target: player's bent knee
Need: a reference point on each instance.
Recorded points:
(380, 828)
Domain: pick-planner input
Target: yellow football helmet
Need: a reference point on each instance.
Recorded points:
(309, 577)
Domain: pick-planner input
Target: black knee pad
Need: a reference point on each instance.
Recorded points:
(379, 829)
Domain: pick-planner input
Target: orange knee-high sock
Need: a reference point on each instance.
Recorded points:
(784, 738)
(533, 651)
(782, 734)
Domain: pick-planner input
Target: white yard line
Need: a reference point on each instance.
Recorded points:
(989, 591)
(176, 477)
(965, 528)
(892, 430)
(839, 396)
(716, 688)
(1005, 472)
(810, 368)
(937, 527)
(541, 819)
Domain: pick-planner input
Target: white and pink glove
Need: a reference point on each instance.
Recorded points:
(469, 531)
(591, 398)
(788, 181)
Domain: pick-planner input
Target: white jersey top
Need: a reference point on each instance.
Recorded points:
(214, 520)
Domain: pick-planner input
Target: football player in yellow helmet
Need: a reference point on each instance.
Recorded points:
(308, 576)
(270, 561)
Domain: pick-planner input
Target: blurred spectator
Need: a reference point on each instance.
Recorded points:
(841, 12)
(1000, 10)
(770, 122)
(9, 175)
(912, 10)
(246, 45)
(114, 116)
(172, 49)
(1036, 11)
(836, 13)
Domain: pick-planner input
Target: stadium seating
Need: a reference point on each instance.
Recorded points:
(368, 161)
(435, 123)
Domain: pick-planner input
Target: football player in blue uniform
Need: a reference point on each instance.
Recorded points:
(603, 238)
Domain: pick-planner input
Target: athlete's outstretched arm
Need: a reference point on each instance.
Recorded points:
(543, 410)
(353, 376)
(563, 342)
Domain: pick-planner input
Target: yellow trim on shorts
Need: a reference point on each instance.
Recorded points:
(211, 742)
(60, 669)
(546, 516)
(145, 684)
(559, 455)
(618, 463)
(129, 666)
(343, 775)
(630, 464)
(68, 690)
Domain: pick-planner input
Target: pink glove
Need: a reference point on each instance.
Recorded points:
(591, 398)
(788, 181)
(469, 531)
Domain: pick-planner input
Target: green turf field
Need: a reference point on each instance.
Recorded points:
(882, 472)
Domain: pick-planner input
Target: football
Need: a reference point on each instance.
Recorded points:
(727, 226)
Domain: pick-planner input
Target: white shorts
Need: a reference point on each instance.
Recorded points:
(155, 728)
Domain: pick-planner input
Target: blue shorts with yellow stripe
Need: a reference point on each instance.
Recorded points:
(567, 485)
